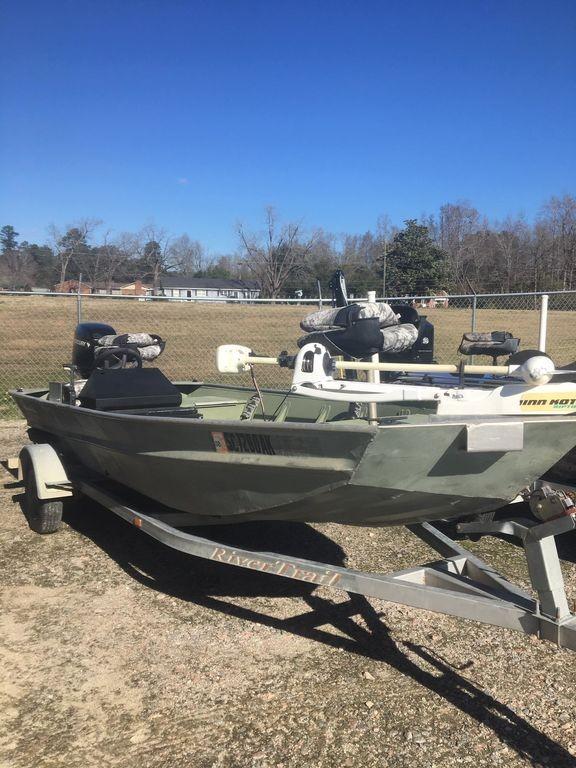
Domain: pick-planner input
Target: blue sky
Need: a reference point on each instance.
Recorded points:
(196, 115)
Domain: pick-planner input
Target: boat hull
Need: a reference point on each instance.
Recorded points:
(564, 471)
(214, 471)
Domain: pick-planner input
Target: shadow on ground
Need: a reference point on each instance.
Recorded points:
(565, 543)
(207, 584)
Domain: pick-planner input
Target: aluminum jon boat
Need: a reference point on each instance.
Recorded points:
(217, 454)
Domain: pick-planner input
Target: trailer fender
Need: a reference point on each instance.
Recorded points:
(52, 482)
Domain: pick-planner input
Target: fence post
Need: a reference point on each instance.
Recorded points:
(79, 301)
(373, 376)
(543, 323)
(473, 329)
(473, 322)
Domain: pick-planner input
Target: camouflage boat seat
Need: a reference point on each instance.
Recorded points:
(148, 346)
(495, 344)
(362, 330)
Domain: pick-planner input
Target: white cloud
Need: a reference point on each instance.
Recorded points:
(183, 181)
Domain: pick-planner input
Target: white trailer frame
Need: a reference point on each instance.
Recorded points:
(459, 584)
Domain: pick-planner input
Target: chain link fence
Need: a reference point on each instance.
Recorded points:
(37, 330)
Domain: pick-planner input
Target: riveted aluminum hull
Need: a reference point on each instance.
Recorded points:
(207, 471)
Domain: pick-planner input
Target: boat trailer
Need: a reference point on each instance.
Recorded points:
(459, 584)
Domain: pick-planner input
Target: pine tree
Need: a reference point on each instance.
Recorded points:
(415, 264)
(8, 239)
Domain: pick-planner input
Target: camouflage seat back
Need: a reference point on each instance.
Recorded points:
(493, 343)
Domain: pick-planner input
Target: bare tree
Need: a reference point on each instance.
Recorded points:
(69, 246)
(186, 255)
(386, 231)
(556, 228)
(509, 237)
(276, 254)
(116, 254)
(457, 222)
(87, 258)
(156, 257)
(124, 250)
(100, 264)
(430, 221)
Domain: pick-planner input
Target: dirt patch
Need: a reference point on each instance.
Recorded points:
(116, 651)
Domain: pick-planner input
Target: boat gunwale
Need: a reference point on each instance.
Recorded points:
(386, 422)
(246, 425)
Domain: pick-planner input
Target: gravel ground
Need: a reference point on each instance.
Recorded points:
(118, 651)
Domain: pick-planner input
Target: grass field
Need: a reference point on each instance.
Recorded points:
(36, 334)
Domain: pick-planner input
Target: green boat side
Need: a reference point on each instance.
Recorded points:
(309, 461)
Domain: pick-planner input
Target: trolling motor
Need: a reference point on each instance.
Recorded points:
(315, 371)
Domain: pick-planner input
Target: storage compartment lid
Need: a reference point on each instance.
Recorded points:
(114, 389)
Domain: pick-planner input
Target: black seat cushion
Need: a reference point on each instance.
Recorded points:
(362, 339)
(407, 314)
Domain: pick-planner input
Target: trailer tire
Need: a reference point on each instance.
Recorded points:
(42, 516)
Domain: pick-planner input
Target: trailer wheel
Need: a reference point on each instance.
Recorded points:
(42, 516)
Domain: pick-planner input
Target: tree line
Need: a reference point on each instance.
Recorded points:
(456, 249)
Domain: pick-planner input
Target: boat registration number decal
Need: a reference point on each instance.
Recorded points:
(241, 442)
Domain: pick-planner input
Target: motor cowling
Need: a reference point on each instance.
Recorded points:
(86, 339)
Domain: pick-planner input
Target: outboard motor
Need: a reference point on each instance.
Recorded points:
(85, 342)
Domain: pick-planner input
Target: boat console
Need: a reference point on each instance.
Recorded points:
(128, 389)
(111, 374)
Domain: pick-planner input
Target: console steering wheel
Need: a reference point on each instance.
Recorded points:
(119, 357)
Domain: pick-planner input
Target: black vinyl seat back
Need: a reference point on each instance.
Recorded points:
(422, 351)
(360, 339)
